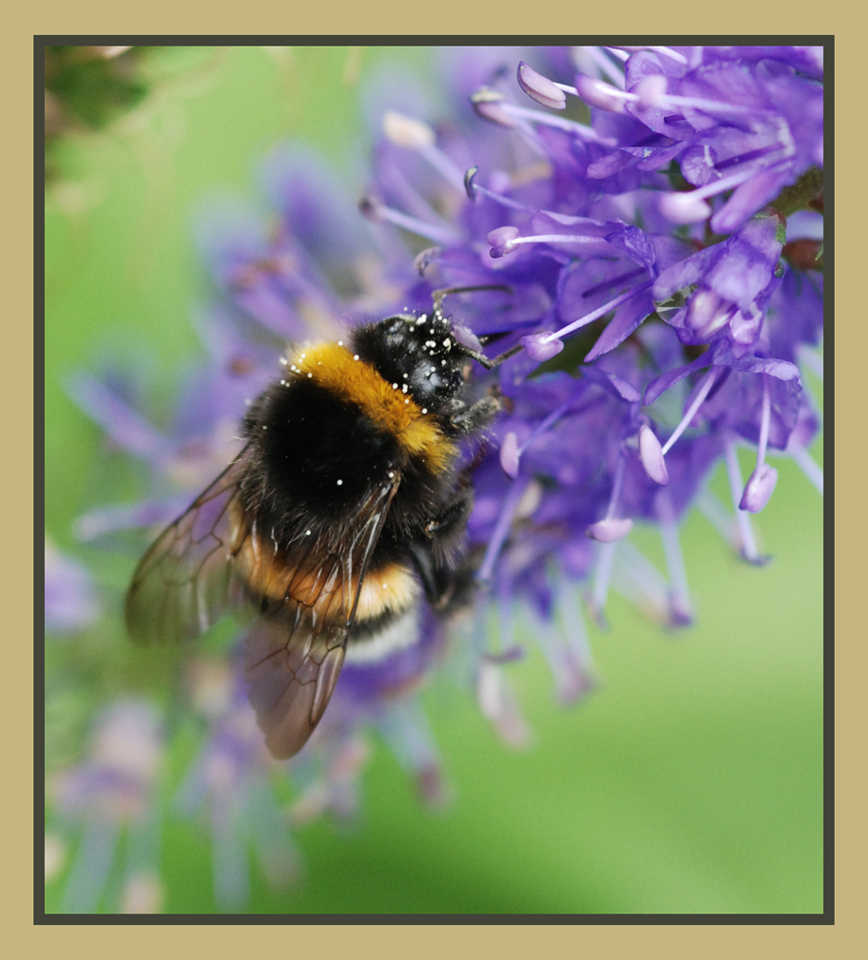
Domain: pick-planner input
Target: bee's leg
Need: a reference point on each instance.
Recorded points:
(452, 519)
(438, 577)
(436, 580)
(474, 417)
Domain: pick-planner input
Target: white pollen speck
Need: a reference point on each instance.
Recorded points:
(355, 356)
(310, 374)
(264, 426)
(394, 386)
(340, 343)
(447, 342)
(283, 383)
(307, 533)
(442, 364)
(404, 375)
(424, 409)
(283, 361)
(407, 400)
(340, 482)
(391, 474)
(404, 388)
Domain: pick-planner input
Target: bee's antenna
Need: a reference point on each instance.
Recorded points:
(438, 296)
(490, 363)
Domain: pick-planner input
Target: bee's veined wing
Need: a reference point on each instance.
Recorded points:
(293, 655)
(188, 579)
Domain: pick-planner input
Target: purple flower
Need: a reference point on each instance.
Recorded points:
(109, 800)
(743, 123)
(229, 782)
(723, 289)
(70, 595)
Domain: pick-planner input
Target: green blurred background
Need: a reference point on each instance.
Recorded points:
(690, 781)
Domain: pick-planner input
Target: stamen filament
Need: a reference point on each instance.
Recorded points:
(675, 100)
(505, 617)
(605, 559)
(765, 417)
(605, 65)
(444, 166)
(555, 238)
(572, 620)
(715, 512)
(617, 484)
(595, 314)
(554, 120)
(733, 472)
(501, 528)
(680, 610)
(807, 464)
(726, 183)
(501, 199)
(698, 400)
(420, 227)
(640, 582)
(556, 415)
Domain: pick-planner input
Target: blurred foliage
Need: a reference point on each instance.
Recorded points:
(86, 88)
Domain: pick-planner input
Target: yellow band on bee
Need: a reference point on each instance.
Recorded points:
(333, 367)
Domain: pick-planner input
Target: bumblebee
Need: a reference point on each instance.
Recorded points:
(345, 507)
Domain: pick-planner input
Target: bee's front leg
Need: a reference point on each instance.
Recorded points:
(474, 417)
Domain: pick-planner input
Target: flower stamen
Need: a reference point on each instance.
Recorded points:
(599, 312)
(373, 209)
(698, 400)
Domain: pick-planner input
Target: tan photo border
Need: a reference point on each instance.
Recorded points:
(438, 18)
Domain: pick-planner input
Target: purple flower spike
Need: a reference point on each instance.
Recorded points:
(509, 455)
(651, 455)
(759, 489)
(539, 347)
(610, 529)
(540, 88)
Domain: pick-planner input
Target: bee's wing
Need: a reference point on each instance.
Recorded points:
(186, 580)
(292, 664)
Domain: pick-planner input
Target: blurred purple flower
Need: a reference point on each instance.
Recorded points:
(109, 799)
(231, 782)
(70, 595)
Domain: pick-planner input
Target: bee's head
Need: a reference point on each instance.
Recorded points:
(416, 350)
